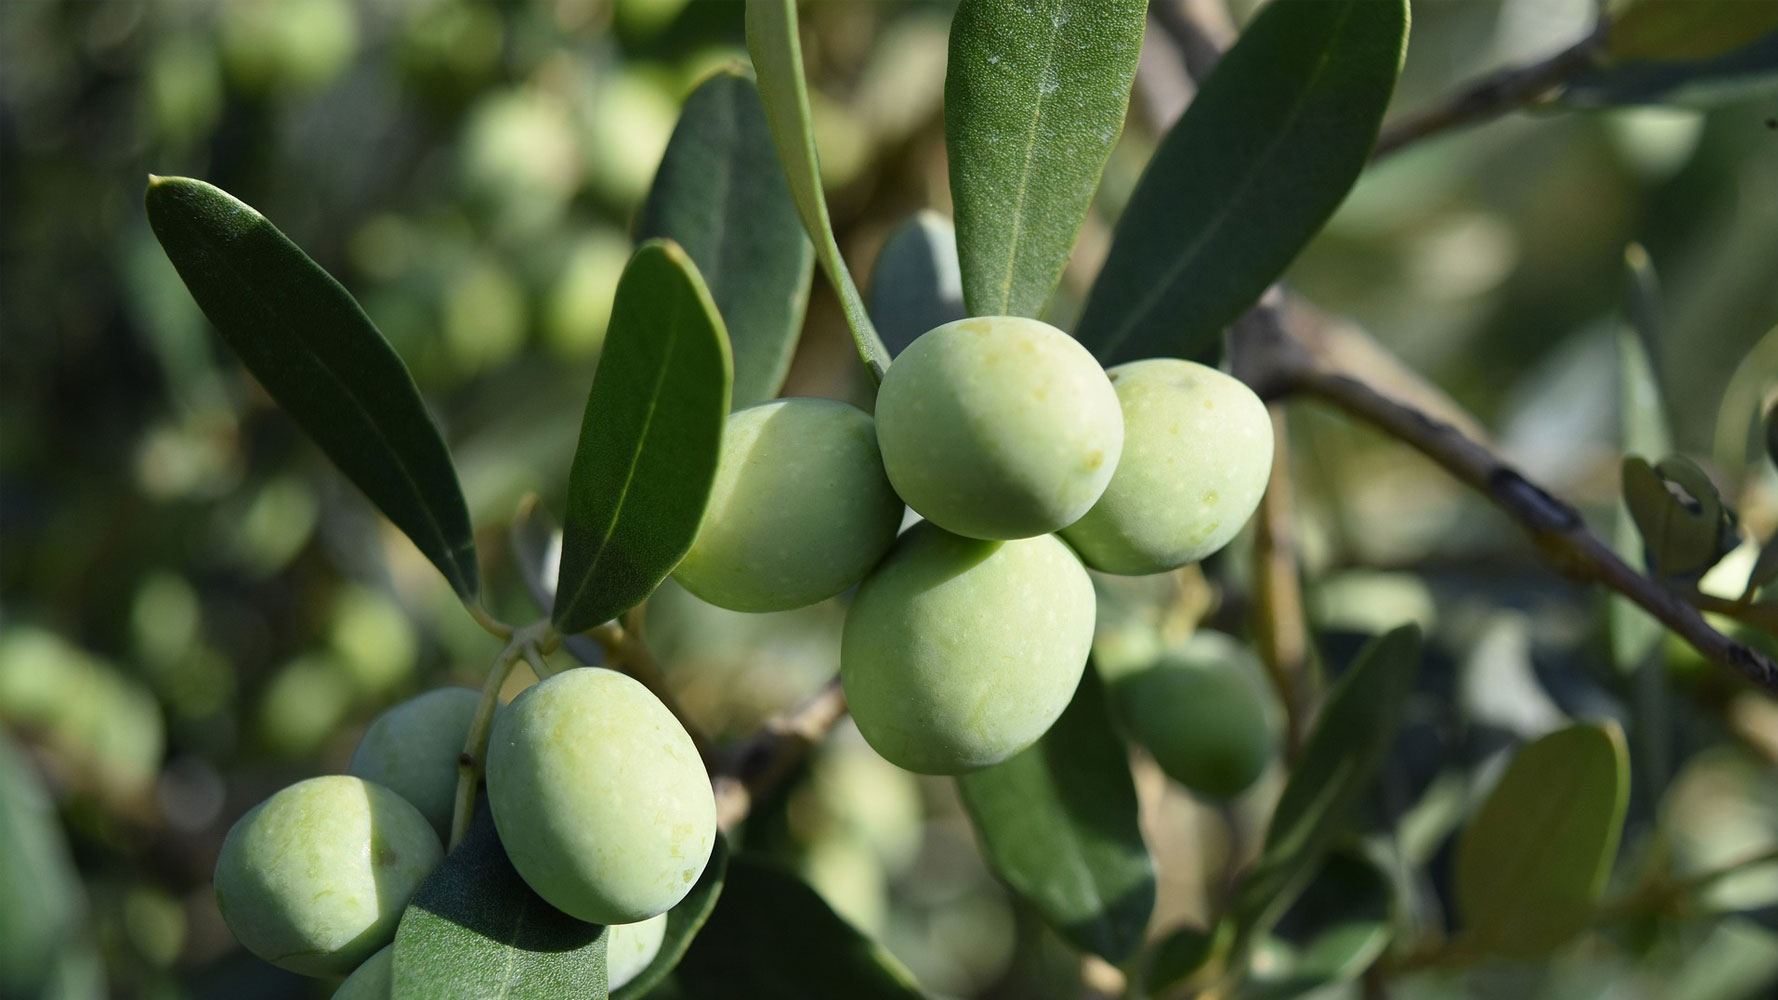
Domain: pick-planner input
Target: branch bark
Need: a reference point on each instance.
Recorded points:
(752, 768)
(1278, 621)
(1274, 350)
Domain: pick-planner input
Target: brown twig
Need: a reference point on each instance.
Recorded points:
(1274, 352)
(1278, 622)
(756, 766)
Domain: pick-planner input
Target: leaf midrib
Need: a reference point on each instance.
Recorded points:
(1151, 298)
(1018, 217)
(623, 495)
(320, 361)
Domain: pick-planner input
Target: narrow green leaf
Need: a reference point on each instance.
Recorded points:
(1334, 931)
(1533, 862)
(476, 930)
(916, 284)
(1685, 526)
(41, 904)
(1255, 166)
(1035, 95)
(1058, 824)
(772, 937)
(315, 351)
(1351, 737)
(721, 195)
(648, 442)
(778, 61)
(684, 921)
(1180, 954)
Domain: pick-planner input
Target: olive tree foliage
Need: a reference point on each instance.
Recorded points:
(585, 840)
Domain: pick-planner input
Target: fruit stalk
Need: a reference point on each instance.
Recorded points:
(531, 642)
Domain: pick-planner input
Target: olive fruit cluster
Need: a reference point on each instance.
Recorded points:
(968, 633)
(600, 798)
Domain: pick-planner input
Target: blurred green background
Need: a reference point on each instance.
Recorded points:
(197, 610)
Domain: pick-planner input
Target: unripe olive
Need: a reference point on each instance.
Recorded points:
(800, 510)
(959, 653)
(413, 748)
(600, 797)
(1201, 712)
(314, 879)
(374, 980)
(1197, 454)
(631, 947)
(998, 427)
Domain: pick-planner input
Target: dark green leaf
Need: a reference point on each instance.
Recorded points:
(1351, 737)
(916, 285)
(721, 195)
(1685, 526)
(1178, 955)
(1765, 569)
(1260, 159)
(648, 442)
(778, 60)
(1058, 824)
(1334, 931)
(309, 344)
(683, 923)
(476, 930)
(1533, 862)
(1772, 433)
(41, 906)
(773, 937)
(1035, 95)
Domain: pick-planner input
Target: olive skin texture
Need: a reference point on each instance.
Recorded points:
(413, 749)
(998, 427)
(958, 653)
(374, 980)
(600, 797)
(314, 879)
(631, 947)
(800, 508)
(1201, 712)
(1197, 454)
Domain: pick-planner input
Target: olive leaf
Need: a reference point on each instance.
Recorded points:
(1725, 52)
(1179, 954)
(648, 441)
(1533, 862)
(1685, 526)
(1058, 824)
(1035, 94)
(1334, 931)
(42, 904)
(721, 195)
(1261, 158)
(778, 61)
(917, 283)
(1685, 30)
(476, 930)
(306, 340)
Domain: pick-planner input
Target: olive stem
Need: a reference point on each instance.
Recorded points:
(530, 641)
(493, 626)
(1278, 592)
(757, 765)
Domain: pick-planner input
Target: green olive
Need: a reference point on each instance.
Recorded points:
(800, 510)
(1197, 454)
(374, 980)
(600, 797)
(1202, 712)
(631, 947)
(314, 879)
(998, 427)
(413, 748)
(958, 653)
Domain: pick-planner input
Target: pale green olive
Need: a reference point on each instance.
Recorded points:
(1202, 713)
(374, 980)
(413, 748)
(600, 797)
(1197, 454)
(631, 947)
(998, 427)
(800, 510)
(314, 879)
(959, 653)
